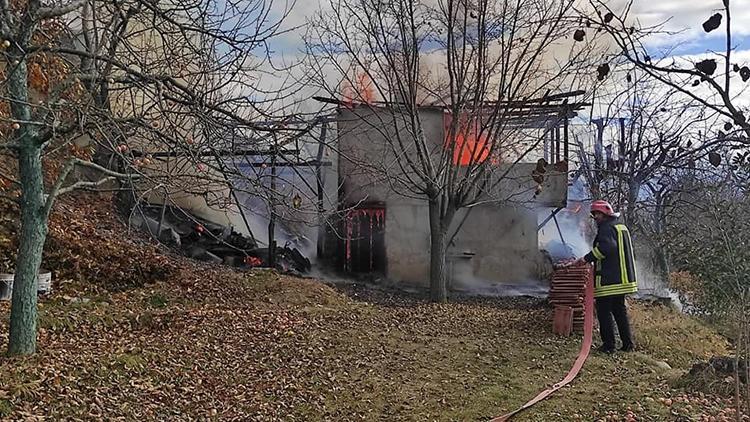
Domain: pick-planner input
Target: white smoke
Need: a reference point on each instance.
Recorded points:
(565, 235)
(650, 284)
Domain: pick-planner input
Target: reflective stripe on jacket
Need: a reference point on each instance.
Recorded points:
(614, 260)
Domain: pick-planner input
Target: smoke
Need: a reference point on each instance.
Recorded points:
(577, 243)
(650, 284)
(578, 231)
(461, 279)
(295, 224)
(567, 234)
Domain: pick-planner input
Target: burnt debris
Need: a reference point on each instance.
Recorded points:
(205, 241)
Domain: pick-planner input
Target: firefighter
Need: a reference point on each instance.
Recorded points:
(615, 276)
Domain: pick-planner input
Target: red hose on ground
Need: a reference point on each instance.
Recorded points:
(588, 327)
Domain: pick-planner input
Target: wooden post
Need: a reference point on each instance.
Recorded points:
(161, 217)
(320, 186)
(566, 153)
(272, 209)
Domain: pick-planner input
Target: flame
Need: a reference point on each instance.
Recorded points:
(362, 91)
(253, 261)
(365, 88)
(469, 146)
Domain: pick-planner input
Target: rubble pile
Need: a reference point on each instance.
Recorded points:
(203, 240)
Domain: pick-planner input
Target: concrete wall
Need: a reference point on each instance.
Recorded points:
(502, 234)
(503, 241)
(369, 152)
(517, 186)
(372, 167)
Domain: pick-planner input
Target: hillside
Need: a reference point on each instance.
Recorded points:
(194, 341)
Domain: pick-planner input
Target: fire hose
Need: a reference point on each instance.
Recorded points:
(583, 354)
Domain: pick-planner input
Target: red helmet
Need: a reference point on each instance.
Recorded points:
(603, 207)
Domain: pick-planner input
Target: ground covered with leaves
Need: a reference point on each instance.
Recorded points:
(260, 346)
(202, 342)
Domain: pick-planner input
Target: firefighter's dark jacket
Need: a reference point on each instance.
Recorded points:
(614, 260)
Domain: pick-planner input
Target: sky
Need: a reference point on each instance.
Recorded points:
(687, 16)
(682, 18)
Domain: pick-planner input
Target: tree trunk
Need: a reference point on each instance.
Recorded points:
(662, 253)
(662, 263)
(23, 313)
(737, 382)
(634, 189)
(438, 247)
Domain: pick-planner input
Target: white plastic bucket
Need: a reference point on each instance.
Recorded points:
(6, 286)
(44, 284)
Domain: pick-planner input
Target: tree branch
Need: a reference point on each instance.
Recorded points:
(55, 12)
(58, 188)
(85, 185)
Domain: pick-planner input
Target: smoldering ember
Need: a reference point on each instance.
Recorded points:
(355, 209)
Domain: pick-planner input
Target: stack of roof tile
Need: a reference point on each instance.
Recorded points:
(568, 288)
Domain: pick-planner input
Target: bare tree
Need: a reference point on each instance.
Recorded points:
(491, 65)
(713, 80)
(104, 86)
(702, 93)
(654, 133)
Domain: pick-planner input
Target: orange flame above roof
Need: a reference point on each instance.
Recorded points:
(360, 88)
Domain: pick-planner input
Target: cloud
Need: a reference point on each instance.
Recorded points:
(682, 17)
(686, 18)
(296, 14)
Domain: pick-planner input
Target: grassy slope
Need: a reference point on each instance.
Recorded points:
(134, 334)
(224, 345)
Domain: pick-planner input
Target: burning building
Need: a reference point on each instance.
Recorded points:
(493, 245)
